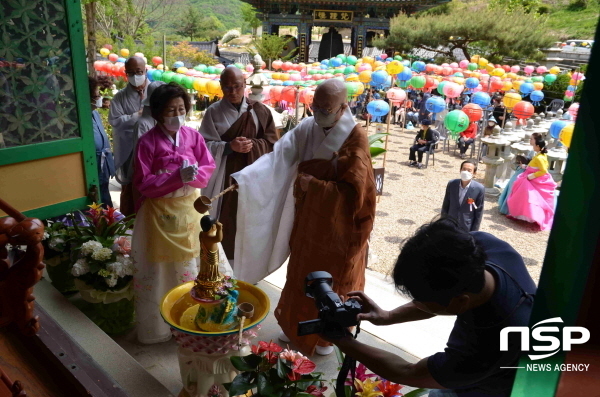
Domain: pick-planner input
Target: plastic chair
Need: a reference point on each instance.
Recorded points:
(555, 105)
(431, 151)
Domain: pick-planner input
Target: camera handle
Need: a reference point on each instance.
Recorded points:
(349, 365)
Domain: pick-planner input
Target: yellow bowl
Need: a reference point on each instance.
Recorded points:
(172, 313)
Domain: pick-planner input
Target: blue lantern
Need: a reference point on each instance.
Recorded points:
(435, 104)
(471, 83)
(325, 62)
(418, 66)
(557, 126)
(405, 74)
(288, 82)
(481, 98)
(378, 108)
(526, 88)
(572, 88)
(335, 62)
(178, 64)
(121, 59)
(536, 97)
(406, 63)
(379, 77)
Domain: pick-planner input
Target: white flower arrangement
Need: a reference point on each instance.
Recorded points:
(89, 247)
(102, 254)
(80, 268)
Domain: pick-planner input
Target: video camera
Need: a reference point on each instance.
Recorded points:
(334, 315)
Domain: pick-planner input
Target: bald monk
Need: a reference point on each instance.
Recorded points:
(237, 131)
(125, 110)
(314, 199)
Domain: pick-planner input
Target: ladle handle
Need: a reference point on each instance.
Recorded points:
(230, 188)
(242, 320)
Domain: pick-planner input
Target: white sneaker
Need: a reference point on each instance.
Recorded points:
(283, 337)
(324, 350)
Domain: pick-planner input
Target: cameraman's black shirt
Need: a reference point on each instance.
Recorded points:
(470, 364)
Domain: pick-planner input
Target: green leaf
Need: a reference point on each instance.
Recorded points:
(247, 363)
(418, 393)
(241, 384)
(376, 151)
(282, 369)
(377, 137)
(266, 387)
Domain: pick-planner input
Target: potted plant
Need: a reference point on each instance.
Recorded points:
(104, 270)
(57, 255)
(271, 371)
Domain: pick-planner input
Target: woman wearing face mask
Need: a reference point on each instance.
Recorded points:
(104, 156)
(532, 195)
(519, 167)
(171, 164)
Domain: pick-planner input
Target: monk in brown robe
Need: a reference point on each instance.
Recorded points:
(237, 131)
(334, 192)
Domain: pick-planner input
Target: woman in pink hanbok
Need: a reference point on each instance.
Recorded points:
(171, 164)
(532, 195)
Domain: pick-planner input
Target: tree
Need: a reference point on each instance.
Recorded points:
(249, 17)
(472, 27)
(191, 25)
(270, 47)
(190, 55)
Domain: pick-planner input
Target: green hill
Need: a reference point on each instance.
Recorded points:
(574, 20)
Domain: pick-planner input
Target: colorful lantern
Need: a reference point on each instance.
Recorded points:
(536, 97)
(396, 95)
(523, 110)
(418, 82)
(566, 134)
(435, 104)
(452, 90)
(473, 111)
(378, 108)
(510, 100)
(556, 127)
(124, 52)
(104, 52)
(456, 121)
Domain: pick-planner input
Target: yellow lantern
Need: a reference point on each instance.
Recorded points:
(182, 70)
(360, 89)
(566, 134)
(124, 52)
(517, 84)
(160, 67)
(284, 76)
(352, 77)
(497, 72)
(510, 100)
(554, 70)
(369, 60)
(459, 80)
(476, 75)
(573, 82)
(507, 86)
(489, 67)
(212, 87)
(511, 75)
(394, 67)
(377, 64)
(200, 85)
(364, 76)
(104, 52)
(538, 86)
(482, 62)
(475, 58)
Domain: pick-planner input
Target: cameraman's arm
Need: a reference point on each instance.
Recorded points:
(388, 365)
(408, 312)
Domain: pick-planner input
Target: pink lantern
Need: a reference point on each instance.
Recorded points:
(541, 69)
(365, 66)
(446, 70)
(528, 69)
(452, 90)
(569, 94)
(430, 67)
(437, 69)
(113, 57)
(327, 76)
(287, 66)
(577, 76)
(295, 77)
(445, 65)
(573, 109)
(478, 88)
(515, 69)
(464, 63)
(483, 72)
(108, 47)
(249, 68)
(454, 65)
(396, 94)
(139, 54)
(383, 56)
(276, 64)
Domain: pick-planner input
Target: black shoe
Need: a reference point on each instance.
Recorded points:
(412, 164)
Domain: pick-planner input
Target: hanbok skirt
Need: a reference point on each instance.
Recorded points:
(533, 200)
(165, 251)
(502, 200)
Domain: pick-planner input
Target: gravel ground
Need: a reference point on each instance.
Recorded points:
(412, 197)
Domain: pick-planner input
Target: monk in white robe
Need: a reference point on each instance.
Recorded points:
(125, 110)
(313, 198)
(237, 131)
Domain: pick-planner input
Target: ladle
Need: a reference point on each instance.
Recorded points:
(203, 203)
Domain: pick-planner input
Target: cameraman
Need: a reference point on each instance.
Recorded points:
(448, 271)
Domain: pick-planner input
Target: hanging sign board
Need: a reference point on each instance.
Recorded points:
(333, 16)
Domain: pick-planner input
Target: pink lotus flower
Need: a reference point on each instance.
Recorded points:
(290, 355)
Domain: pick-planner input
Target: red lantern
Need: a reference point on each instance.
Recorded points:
(429, 82)
(156, 60)
(276, 93)
(276, 64)
(113, 57)
(506, 68)
(446, 71)
(430, 67)
(474, 111)
(523, 110)
(108, 47)
(288, 94)
(496, 85)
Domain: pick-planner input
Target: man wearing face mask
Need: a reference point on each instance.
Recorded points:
(313, 198)
(447, 271)
(237, 131)
(125, 110)
(104, 156)
(464, 198)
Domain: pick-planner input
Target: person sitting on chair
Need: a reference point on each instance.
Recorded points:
(423, 140)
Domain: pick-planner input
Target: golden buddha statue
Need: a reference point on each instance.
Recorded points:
(209, 279)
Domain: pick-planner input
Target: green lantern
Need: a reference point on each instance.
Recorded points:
(201, 68)
(472, 66)
(537, 79)
(157, 75)
(239, 65)
(349, 69)
(178, 78)
(417, 82)
(167, 77)
(440, 87)
(549, 78)
(211, 70)
(351, 60)
(397, 58)
(187, 82)
(341, 57)
(456, 121)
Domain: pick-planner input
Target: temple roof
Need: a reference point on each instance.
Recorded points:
(268, 6)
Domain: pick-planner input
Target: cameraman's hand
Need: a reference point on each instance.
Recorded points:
(370, 311)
